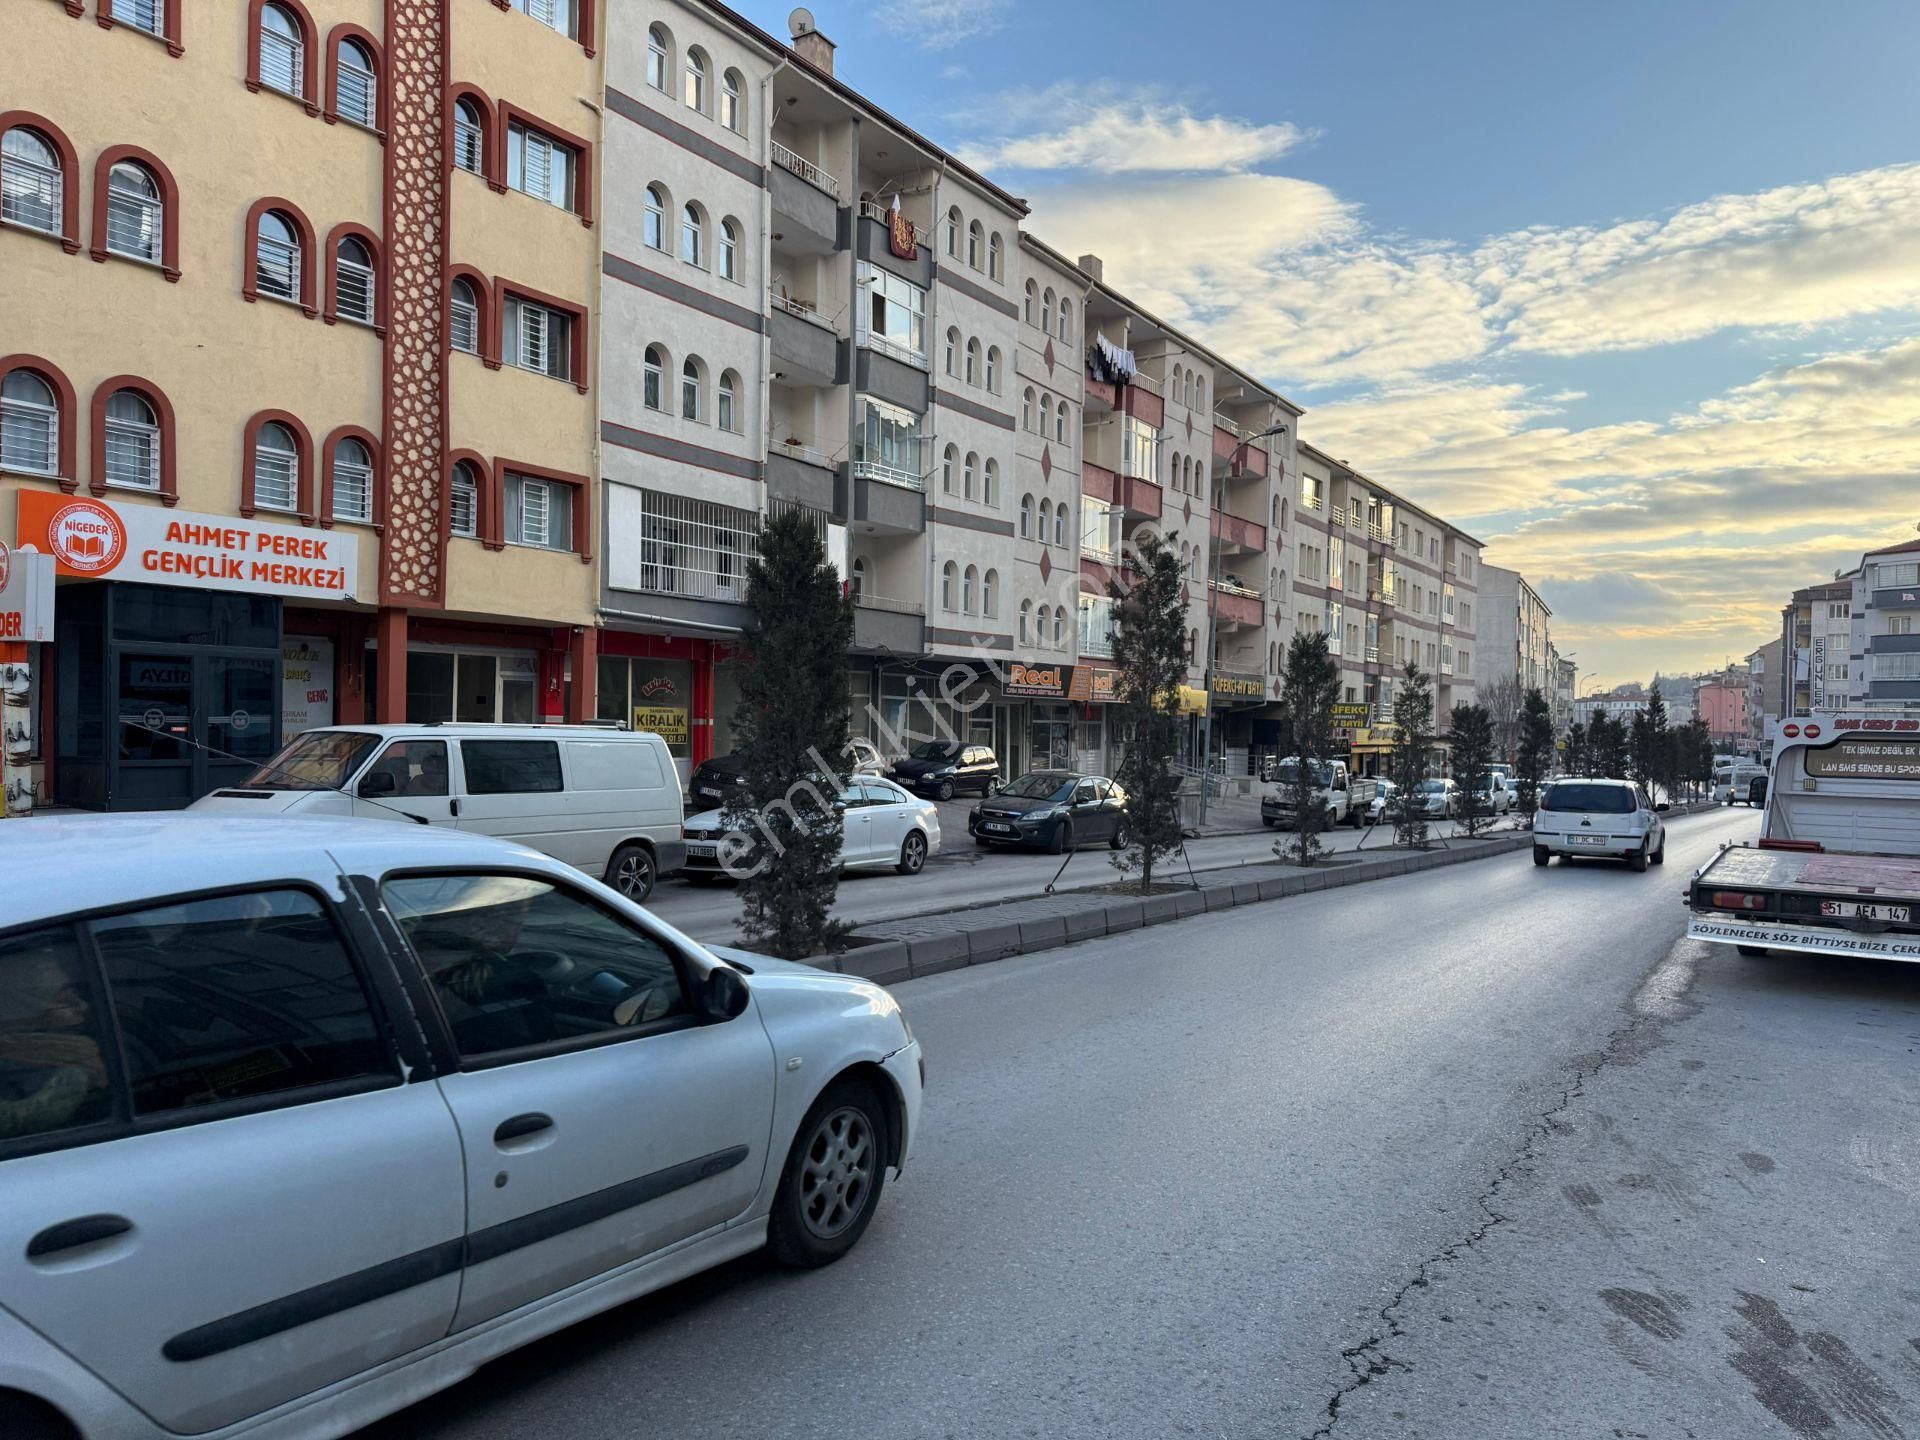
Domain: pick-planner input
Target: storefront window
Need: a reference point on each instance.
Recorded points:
(154, 614)
(653, 695)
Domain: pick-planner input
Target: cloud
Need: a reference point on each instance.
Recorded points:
(1142, 133)
(938, 24)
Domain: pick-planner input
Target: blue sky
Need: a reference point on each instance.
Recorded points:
(1632, 291)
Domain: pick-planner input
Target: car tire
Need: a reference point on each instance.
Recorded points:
(992, 787)
(1540, 855)
(981, 842)
(632, 871)
(1062, 838)
(833, 1178)
(1270, 823)
(945, 792)
(1752, 952)
(1660, 855)
(1120, 837)
(1638, 860)
(913, 854)
(24, 1418)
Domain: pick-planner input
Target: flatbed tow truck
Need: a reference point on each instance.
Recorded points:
(1837, 867)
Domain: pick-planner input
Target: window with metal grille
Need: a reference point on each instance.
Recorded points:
(695, 547)
(539, 513)
(132, 442)
(463, 319)
(464, 504)
(276, 265)
(540, 166)
(355, 90)
(29, 424)
(282, 52)
(31, 185)
(353, 282)
(147, 15)
(133, 212)
(469, 139)
(276, 468)
(539, 339)
(352, 482)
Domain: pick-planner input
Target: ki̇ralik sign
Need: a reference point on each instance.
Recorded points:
(93, 539)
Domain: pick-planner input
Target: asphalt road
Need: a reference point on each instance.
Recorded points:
(1482, 1152)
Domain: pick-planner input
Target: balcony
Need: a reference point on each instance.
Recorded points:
(800, 471)
(806, 203)
(881, 498)
(1233, 533)
(804, 342)
(1253, 459)
(1097, 482)
(1138, 497)
(895, 627)
(808, 171)
(1237, 605)
(1313, 503)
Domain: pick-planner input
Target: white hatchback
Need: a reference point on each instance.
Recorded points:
(1602, 819)
(882, 827)
(295, 1133)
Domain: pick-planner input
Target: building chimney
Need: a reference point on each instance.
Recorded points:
(813, 47)
(1093, 265)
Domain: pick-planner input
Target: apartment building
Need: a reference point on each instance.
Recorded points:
(299, 388)
(1566, 678)
(1885, 648)
(1763, 695)
(1816, 640)
(1514, 636)
(1723, 703)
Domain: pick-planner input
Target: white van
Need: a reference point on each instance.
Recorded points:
(605, 801)
(1732, 783)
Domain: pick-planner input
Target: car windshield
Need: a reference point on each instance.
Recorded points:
(1287, 772)
(935, 750)
(315, 760)
(1040, 787)
(1432, 787)
(1593, 799)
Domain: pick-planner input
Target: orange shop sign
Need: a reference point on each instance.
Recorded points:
(97, 539)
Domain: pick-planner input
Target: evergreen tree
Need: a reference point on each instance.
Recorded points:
(1607, 746)
(785, 820)
(1309, 686)
(1472, 738)
(1150, 651)
(1577, 749)
(1412, 752)
(1536, 749)
(1650, 752)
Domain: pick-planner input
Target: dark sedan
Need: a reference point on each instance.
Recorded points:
(943, 768)
(1054, 810)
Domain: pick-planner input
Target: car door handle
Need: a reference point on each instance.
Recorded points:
(521, 1126)
(72, 1234)
(453, 808)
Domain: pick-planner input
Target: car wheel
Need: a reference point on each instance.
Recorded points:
(1660, 855)
(1638, 860)
(22, 1418)
(1062, 838)
(913, 854)
(981, 842)
(1270, 823)
(945, 792)
(1540, 855)
(1120, 837)
(632, 871)
(833, 1178)
(1751, 951)
(992, 787)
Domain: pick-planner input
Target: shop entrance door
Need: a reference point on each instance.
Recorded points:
(191, 722)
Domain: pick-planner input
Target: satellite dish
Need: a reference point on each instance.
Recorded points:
(800, 22)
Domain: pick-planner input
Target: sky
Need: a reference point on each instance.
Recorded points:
(1631, 292)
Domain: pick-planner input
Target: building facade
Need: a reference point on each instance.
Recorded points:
(1763, 696)
(1886, 639)
(1514, 639)
(1816, 632)
(1723, 704)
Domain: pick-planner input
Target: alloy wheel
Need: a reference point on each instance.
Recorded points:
(633, 877)
(837, 1172)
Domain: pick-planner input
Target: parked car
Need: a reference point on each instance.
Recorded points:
(943, 768)
(1380, 810)
(605, 801)
(1601, 818)
(1054, 810)
(1495, 796)
(1344, 796)
(714, 781)
(294, 1134)
(882, 827)
(1733, 784)
(1440, 798)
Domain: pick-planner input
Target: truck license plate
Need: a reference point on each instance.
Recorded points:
(702, 852)
(1858, 910)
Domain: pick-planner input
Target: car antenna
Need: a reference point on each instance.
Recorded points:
(260, 765)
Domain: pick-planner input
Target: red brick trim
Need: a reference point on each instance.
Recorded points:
(348, 31)
(372, 442)
(69, 174)
(492, 168)
(366, 237)
(163, 412)
(489, 335)
(487, 523)
(169, 205)
(584, 19)
(503, 287)
(507, 113)
(582, 500)
(75, 8)
(310, 45)
(65, 404)
(303, 438)
(310, 257)
(170, 27)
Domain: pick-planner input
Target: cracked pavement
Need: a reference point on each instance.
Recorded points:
(1484, 1152)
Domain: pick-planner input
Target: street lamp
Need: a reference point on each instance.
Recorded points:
(1213, 622)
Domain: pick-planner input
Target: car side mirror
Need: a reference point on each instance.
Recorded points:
(380, 782)
(724, 995)
(1663, 807)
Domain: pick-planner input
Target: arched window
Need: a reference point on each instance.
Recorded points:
(33, 181)
(1273, 513)
(968, 471)
(276, 468)
(469, 136)
(133, 450)
(953, 232)
(1041, 625)
(1046, 415)
(990, 484)
(949, 577)
(352, 481)
(1193, 645)
(969, 582)
(859, 583)
(1059, 627)
(282, 42)
(463, 317)
(135, 217)
(30, 424)
(1026, 516)
(989, 583)
(279, 259)
(951, 355)
(729, 250)
(733, 102)
(353, 281)
(993, 370)
(725, 400)
(995, 256)
(1027, 303)
(949, 462)
(973, 361)
(654, 378)
(1045, 533)
(1060, 418)
(1066, 318)
(1026, 621)
(1026, 409)
(356, 84)
(655, 233)
(693, 235)
(1046, 309)
(1273, 657)
(659, 56)
(976, 237)
(1060, 523)
(690, 389)
(696, 86)
(1199, 393)
(463, 508)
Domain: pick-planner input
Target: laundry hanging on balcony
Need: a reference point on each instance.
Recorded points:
(1109, 363)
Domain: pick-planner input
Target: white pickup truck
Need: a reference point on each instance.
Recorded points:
(1348, 797)
(1837, 867)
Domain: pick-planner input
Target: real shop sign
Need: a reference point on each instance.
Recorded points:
(97, 539)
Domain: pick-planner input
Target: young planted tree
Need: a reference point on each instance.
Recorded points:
(1309, 686)
(784, 823)
(1577, 749)
(1536, 749)
(1650, 751)
(1697, 751)
(1472, 731)
(1412, 751)
(1150, 651)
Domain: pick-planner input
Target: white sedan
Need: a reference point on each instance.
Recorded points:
(883, 827)
(294, 1134)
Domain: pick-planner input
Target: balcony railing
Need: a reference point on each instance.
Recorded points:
(798, 308)
(1373, 654)
(1377, 532)
(1337, 517)
(868, 601)
(890, 474)
(803, 452)
(807, 171)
